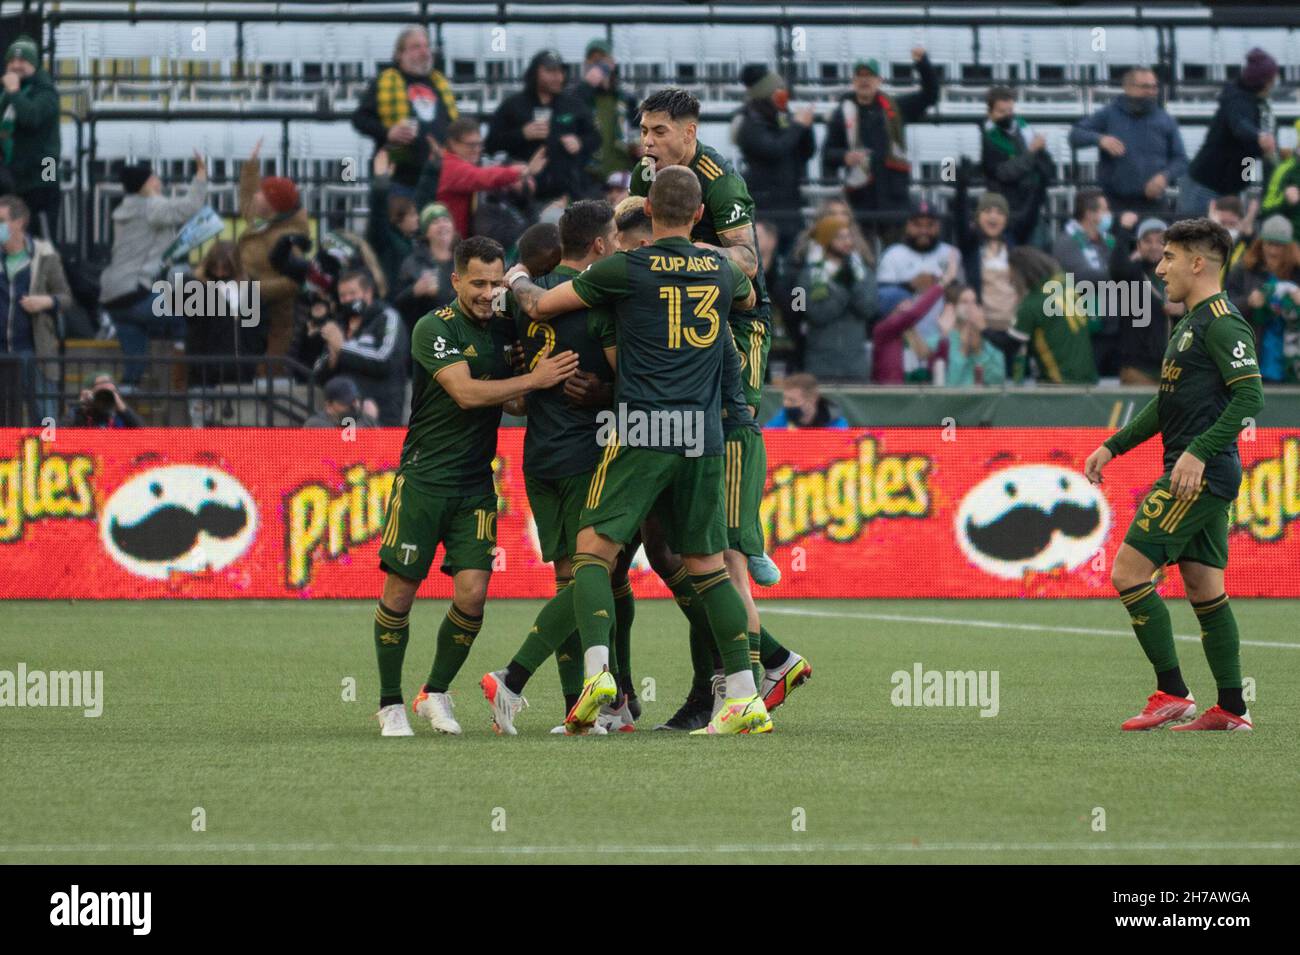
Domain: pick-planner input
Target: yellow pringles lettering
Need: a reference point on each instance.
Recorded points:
(1269, 497)
(319, 519)
(35, 486)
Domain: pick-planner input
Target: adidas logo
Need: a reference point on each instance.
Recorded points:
(389, 639)
(1139, 620)
(601, 613)
(464, 639)
(470, 352)
(741, 636)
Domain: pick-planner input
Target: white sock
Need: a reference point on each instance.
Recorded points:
(596, 659)
(741, 685)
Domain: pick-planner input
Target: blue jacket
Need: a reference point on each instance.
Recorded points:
(1152, 144)
(19, 331)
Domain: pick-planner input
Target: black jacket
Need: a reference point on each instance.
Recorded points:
(776, 151)
(375, 358)
(1022, 178)
(1233, 136)
(564, 172)
(413, 307)
(409, 162)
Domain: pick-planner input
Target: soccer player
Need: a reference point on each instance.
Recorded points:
(1209, 387)
(443, 492)
(669, 300)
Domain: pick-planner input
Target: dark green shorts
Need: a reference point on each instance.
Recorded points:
(753, 342)
(557, 507)
(416, 523)
(685, 494)
(746, 474)
(1166, 530)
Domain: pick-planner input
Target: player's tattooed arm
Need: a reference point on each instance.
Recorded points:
(542, 304)
(738, 245)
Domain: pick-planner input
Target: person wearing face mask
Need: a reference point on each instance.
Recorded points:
(29, 134)
(1229, 212)
(1083, 251)
(776, 146)
(1016, 164)
(1140, 147)
(1144, 330)
(370, 344)
(802, 406)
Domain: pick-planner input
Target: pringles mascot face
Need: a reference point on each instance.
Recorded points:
(1031, 518)
(178, 519)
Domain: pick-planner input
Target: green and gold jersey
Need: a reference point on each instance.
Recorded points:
(727, 206)
(448, 449)
(561, 438)
(1210, 348)
(1058, 335)
(735, 409)
(670, 302)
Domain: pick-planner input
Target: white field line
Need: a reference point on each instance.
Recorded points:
(992, 624)
(427, 851)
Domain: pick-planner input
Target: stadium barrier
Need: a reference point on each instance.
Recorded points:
(888, 512)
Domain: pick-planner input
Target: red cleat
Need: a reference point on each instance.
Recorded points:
(1217, 718)
(1162, 708)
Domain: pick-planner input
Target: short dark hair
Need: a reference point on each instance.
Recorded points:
(358, 275)
(1231, 204)
(1086, 200)
(539, 248)
(16, 207)
(458, 129)
(1203, 236)
(674, 196)
(676, 102)
(399, 207)
(634, 220)
(477, 247)
(1033, 266)
(998, 94)
(582, 223)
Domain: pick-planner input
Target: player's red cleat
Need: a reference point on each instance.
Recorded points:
(1162, 708)
(1217, 718)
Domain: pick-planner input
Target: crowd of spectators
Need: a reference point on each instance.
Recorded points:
(876, 287)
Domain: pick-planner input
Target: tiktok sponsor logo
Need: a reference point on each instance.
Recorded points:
(634, 428)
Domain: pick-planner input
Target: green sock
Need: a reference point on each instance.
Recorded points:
(1221, 642)
(727, 618)
(455, 637)
(701, 637)
(553, 625)
(770, 652)
(568, 659)
(391, 633)
(593, 601)
(1150, 619)
(755, 657)
(624, 614)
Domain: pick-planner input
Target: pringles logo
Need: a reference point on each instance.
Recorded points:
(1269, 498)
(35, 485)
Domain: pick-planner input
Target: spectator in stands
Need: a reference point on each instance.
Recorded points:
(34, 293)
(802, 406)
(616, 187)
(462, 176)
(424, 281)
(840, 301)
(1283, 194)
(897, 349)
(776, 146)
(963, 357)
(1016, 164)
(29, 134)
(921, 253)
(1242, 129)
(806, 250)
(1265, 288)
(866, 143)
(101, 405)
(1144, 331)
(1140, 147)
(1083, 251)
(393, 222)
(407, 109)
(342, 407)
(272, 209)
(1057, 336)
(544, 116)
(145, 223)
(223, 335)
(984, 245)
(614, 114)
(370, 345)
(1229, 212)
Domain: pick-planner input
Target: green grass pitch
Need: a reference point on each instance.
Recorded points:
(237, 707)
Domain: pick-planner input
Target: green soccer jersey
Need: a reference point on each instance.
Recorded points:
(1057, 333)
(727, 206)
(735, 409)
(561, 438)
(1210, 348)
(669, 300)
(448, 449)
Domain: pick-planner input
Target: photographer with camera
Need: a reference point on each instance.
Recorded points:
(101, 406)
(369, 343)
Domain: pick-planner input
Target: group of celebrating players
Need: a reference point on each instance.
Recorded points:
(658, 308)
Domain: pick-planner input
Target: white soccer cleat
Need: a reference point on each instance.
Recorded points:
(594, 730)
(616, 720)
(505, 704)
(780, 682)
(436, 708)
(393, 722)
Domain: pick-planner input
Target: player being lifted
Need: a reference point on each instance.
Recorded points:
(670, 301)
(443, 492)
(1209, 387)
(669, 127)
